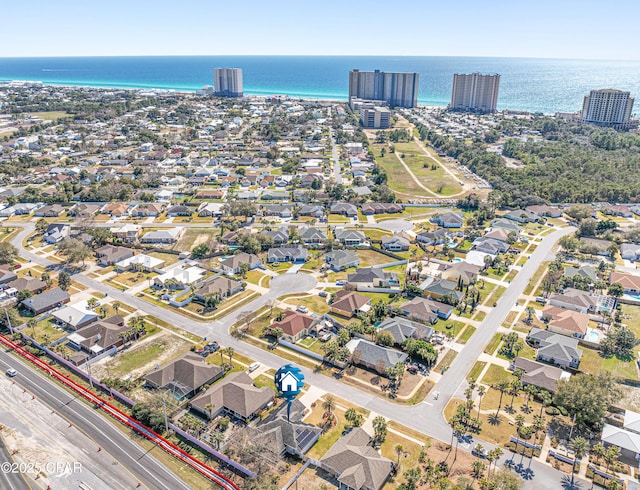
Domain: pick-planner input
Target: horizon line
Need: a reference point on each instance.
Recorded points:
(313, 56)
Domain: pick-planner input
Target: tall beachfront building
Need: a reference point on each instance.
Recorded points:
(475, 92)
(396, 89)
(227, 82)
(608, 107)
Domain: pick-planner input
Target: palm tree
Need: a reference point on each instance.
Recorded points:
(399, 450)
(481, 392)
(494, 455)
(580, 447)
(217, 438)
(611, 456)
(519, 422)
(103, 310)
(229, 351)
(530, 312)
(503, 386)
(539, 423)
(329, 403)
(515, 386)
(33, 323)
(530, 391)
(478, 468)
(545, 399)
(116, 306)
(598, 451)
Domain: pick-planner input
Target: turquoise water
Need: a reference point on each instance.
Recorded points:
(537, 85)
(593, 336)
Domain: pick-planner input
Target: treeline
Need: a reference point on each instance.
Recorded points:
(572, 163)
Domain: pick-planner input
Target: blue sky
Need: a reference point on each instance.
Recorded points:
(518, 28)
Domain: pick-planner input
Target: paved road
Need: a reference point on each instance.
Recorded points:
(426, 417)
(336, 159)
(10, 480)
(115, 442)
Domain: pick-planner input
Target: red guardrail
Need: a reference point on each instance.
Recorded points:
(166, 445)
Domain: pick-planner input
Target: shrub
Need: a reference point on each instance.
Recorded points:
(552, 411)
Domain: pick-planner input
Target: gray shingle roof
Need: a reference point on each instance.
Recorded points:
(45, 300)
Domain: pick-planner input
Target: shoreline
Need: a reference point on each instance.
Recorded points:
(190, 91)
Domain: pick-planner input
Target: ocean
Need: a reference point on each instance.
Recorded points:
(536, 85)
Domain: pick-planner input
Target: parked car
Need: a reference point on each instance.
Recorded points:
(302, 309)
(479, 451)
(541, 299)
(341, 282)
(323, 294)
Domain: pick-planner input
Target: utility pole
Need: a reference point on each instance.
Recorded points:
(6, 312)
(89, 374)
(166, 424)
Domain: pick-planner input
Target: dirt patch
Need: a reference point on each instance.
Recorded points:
(630, 398)
(164, 345)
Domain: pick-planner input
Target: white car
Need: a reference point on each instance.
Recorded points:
(11, 372)
(302, 309)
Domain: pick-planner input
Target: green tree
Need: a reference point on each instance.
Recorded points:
(8, 253)
(587, 397)
(42, 225)
(616, 290)
(64, 280)
(619, 342)
(580, 447)
(24, 294)
(200, 251)
(379, 429)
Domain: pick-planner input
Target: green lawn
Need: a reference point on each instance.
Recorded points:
(466, 334)
(493, 345)
(592, 362)
(446, 361)
(495, 374)
(476, 370)
(50, 115)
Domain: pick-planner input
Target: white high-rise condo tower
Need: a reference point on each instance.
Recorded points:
(227, 82)
(396, 89)
(475, 92)
(608, 107)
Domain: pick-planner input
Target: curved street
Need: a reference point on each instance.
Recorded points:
(426, 417)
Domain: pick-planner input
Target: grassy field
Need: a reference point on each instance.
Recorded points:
(169, 259)
(399, 179)
(493, 345)
(466, 334)
(592, 362)
(313, 302)
(446, 361)
(431, 174)
(495, 374)
(475, 371)
(50, 115)
(371, 258)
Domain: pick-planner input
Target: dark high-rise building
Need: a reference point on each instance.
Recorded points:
(475, 92)
(227, 82)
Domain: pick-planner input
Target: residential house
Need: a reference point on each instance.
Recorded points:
(339, 260)
(596, 246)
(295, 325)
(84, 209)
(280, 236)
(373, 277)
(184, 376)
(345, 209)
(400, 241)
(499, 234)
(522, 216)
(281, 210)
(449, 220)
(128, 233)
(356, 464)
(178, 277)
(617, 210)
(165, 235)
(566, 322)
(370, 208)
(349, 238)
(436, 237)
(46, 301)
(220, 286)
(116, 209)
(7, 273)
(555, 348)
(111, 254)
(55, 233)
(463, 271)
(373, 356)
(575, 299)
(50, 211)
(586, 272)
(179, 210)
(75, 316)
(402, 329)
(284, 431)
(505, 224)
(147, 210)
(630, 251)
(100, 336)
(312, 236)
(234, 395)
(348, 303)
(442, 289)
(213, 209)
(490, 246)
(426, 310)
(211, 194)
(544, 210)
(233, 264)
(143, 262)
(627, 437)
(27, 283)
(313, 210)
(296, 254)
(538, 374)
(629, 282)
